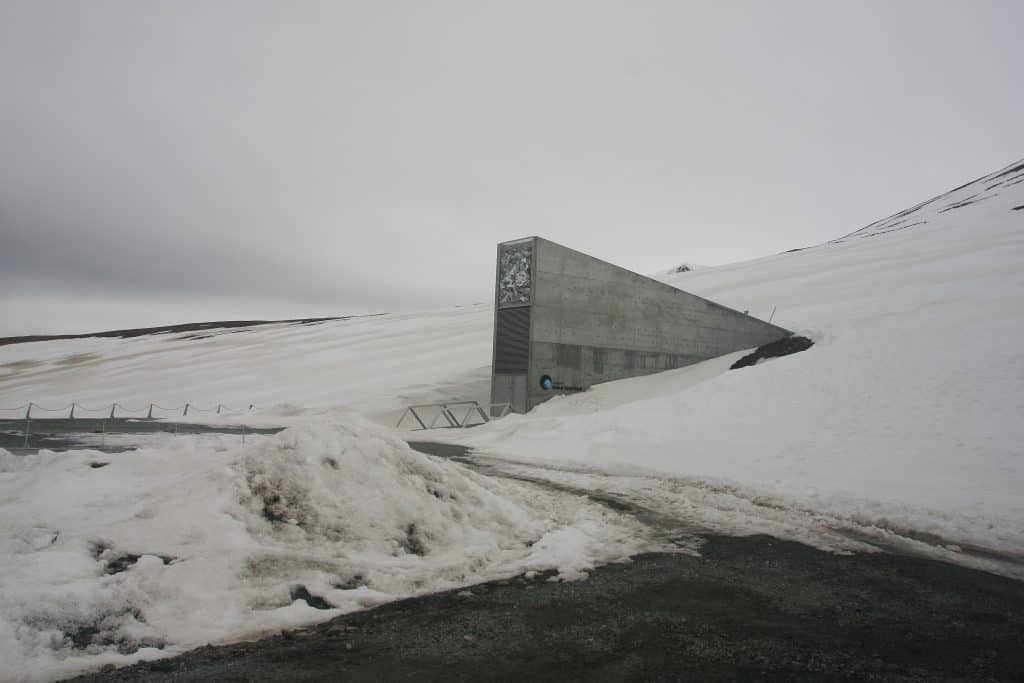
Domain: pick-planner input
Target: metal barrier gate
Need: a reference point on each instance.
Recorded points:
(449, 414)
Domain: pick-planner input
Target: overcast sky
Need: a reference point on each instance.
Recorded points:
(180, 161)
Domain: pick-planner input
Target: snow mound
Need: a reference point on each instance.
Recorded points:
(165, 549)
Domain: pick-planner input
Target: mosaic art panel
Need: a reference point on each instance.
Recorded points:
(515, 281)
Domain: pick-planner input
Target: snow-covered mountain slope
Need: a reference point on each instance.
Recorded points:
(375, 365)
(908, 412)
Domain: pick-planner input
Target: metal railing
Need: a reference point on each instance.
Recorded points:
(450, 414)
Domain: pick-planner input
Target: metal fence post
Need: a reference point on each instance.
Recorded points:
(112, 407)
(28, 413)
(150, 415)
(186, 411)
(28, 426)
(71, 416)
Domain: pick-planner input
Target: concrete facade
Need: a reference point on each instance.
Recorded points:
(579, 321)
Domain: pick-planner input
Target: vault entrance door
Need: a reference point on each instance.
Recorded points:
(509, 389)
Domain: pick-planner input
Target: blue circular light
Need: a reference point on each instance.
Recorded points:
(546, 383)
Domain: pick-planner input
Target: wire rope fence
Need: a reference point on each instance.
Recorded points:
(31, 426)
(37, 411)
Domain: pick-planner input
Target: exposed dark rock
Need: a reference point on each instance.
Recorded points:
(105, 630)
(117, 561)
(1014, 169)
(272, 508)
(300, 592)
(973, 199)
(82, 636)
(355, 581)
(174, 329)
(97, 548)
(782, 347)
(412, 543)
(282, 502)
(122, 562)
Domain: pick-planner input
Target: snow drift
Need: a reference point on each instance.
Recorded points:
(110, 558)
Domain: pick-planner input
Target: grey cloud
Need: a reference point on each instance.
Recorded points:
(369, 155)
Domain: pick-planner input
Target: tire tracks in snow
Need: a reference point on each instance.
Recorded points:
(682, 510)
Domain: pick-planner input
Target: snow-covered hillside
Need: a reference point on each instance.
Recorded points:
(907, 413)
(373, 364)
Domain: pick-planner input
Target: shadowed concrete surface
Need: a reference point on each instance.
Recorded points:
(749, 608)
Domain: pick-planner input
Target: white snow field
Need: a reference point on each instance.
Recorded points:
(901, 427)
(373, 364)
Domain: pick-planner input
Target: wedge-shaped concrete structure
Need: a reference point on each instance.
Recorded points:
(565, 321)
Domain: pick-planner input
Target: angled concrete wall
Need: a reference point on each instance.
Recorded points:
(590, 321)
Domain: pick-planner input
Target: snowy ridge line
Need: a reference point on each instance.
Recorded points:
(897, 221)
(181, 328)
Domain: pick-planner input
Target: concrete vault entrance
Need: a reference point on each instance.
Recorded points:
(564, 321)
